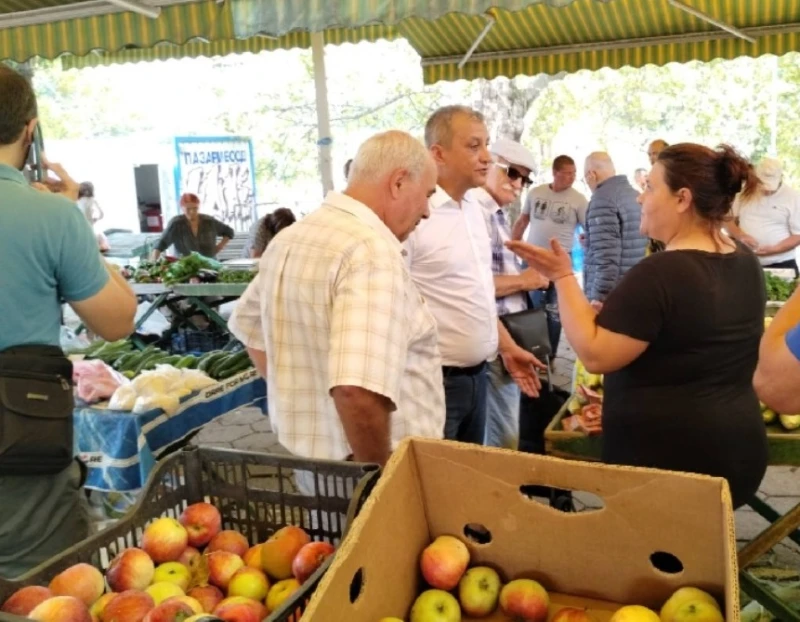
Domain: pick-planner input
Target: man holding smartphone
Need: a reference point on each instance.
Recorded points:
(49, 254)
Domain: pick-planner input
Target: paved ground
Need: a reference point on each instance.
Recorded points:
(249, 429)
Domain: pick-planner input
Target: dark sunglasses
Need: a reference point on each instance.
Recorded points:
(514, 174)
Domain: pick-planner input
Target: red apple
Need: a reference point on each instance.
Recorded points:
(132, 569)
(174, 611)
(209, 596)
(572, 614)
(279, 551)
(309, 558)
(222, 565)
(25, 600)
(129, 606)
(229, 540)
(191, 558)
(525, 599)
(239, 609)
(61, 609)
(84, 582)
(202, 521)
(192, 603)
(443, 562)
(253, 557)
(250, 583)
(164, 540)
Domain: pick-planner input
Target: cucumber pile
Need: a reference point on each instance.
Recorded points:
(121, 356)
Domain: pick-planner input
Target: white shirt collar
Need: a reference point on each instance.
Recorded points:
(484, 199)
(364, 214)
(441, 199)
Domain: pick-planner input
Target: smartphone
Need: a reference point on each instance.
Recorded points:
(34, 168)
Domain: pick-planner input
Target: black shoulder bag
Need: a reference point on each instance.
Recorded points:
(36, 411)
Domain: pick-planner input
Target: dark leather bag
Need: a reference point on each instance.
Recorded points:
(529, 331)
(36, 411)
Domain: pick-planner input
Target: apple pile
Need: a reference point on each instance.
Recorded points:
(457, 590)
(185, 570)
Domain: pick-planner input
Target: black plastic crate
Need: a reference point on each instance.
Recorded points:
(256, 493)
(192, 341)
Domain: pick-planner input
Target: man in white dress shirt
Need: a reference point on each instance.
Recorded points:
(335, 323)
(508, 175)
(450, 260)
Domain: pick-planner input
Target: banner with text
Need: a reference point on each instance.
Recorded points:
(221, 172)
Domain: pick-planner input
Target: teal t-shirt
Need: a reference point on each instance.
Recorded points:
(48, 253)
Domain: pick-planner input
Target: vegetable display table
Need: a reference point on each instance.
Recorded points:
(121, 448)
(784, 450)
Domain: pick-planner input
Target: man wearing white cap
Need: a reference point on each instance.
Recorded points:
(770, 221)
(508, 174)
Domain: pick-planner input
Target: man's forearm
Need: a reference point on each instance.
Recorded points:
(120, 280)
(222, 244)
(366, 419)
(259, 359)
(507, 284)
(784, 246)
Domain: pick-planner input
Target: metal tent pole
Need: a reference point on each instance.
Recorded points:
(325, 140)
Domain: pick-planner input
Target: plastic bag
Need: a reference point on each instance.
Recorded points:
(124, 398)
(156, 324)
(168, 403)
(96, 381)
(196, 380)
(70, 342)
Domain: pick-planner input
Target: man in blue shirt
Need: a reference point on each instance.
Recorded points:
(777, 378)
(48, 253)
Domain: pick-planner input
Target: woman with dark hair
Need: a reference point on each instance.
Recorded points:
(268, 228)
(678, 337)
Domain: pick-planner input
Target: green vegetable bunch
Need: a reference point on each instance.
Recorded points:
(778, 289)
(187, 267)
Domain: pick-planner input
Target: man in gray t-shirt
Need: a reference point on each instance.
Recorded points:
(553, 211)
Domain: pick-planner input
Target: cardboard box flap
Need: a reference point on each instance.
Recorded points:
(640, 535)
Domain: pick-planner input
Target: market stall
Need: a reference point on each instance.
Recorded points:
(120, 449)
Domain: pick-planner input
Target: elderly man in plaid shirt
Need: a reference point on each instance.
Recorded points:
(509, 174)
(335, 322)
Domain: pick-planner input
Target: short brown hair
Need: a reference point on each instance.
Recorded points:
(189, 197)
(715, 176)
(17, 105)
(439, 128)
(562, 161)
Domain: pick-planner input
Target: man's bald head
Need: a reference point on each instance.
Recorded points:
(598, 167)
(655, 148)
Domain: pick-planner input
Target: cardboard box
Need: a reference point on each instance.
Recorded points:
(600, 558)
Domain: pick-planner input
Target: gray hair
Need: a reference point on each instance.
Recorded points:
(600, 162)
(386, 152)
(439, 128)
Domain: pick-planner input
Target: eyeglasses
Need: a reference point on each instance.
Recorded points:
(514, 174)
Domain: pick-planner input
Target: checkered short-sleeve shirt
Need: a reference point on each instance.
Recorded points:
(334, 305)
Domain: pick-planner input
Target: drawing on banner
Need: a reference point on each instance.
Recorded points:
(220, 172)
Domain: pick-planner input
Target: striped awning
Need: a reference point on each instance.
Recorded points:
(526, 37)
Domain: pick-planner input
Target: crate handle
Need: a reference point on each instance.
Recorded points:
(361, 493)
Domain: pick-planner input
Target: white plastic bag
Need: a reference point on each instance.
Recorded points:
(196, 380)
(168, 403)
(123, 399)
(156, 324)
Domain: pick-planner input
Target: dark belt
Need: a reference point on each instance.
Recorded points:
(463, 371)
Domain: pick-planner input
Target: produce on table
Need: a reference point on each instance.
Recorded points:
(788, 422)
(148, 271)
(778, 289)
(481, 594)
(192, 266)
(236, 276)
(219, 587)
(586, 405)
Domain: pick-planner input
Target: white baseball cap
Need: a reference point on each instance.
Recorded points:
(770, 172)
(513, 153)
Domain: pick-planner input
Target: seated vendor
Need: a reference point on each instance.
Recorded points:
(678, 337)
(194, 232)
